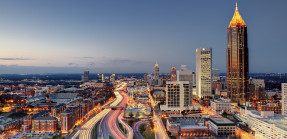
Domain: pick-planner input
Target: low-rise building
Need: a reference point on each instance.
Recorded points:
(35, 100)
(142, 98)
(27, 122)
(66, 121)
(270, 106)
(8, 124)
(55, 111)
(186, 126)
(266, 124)
(64, 97)
(221, 126)
(45, 124)
(221, 105)
(86, 106)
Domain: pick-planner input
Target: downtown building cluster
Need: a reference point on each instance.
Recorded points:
(235, 94)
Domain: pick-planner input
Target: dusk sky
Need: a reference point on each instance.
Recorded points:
(119, 36)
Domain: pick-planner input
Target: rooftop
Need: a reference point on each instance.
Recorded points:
(46, 118)
(221, 121)
(278, 120)
(60, 105)
(63, 95)
(35, 98)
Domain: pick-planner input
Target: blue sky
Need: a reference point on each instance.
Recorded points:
(129, 36)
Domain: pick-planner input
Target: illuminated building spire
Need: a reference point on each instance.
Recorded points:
(236, 20)
(156, 71)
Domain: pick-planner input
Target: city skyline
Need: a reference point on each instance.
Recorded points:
(59, 37)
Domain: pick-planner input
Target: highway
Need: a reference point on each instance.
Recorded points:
(86, 131)
(160, 132)
(109, 126)
(136, 129)
(130, 132)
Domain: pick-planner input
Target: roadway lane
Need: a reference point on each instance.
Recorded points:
(86, 131)
(160, 131)
(136, 129)
(110, 124)
(130, 132)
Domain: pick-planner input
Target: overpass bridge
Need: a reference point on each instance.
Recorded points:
(114, 107)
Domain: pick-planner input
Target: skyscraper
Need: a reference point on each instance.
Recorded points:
(112, 77)
(173, 74)
(256, 89)
(85, 78)
(237, 59)
(100, 77)
(177, 96)
(203, 72)
(156, 71)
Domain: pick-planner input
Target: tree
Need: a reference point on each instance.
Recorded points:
(224, 114)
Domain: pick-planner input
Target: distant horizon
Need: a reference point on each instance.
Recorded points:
(161, 74)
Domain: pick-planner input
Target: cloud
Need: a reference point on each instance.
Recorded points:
(72, 64)
(16, 59)
(91, 64)
(120, 61)
(86, 57)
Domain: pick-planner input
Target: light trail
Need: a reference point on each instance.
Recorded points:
(86, 130)
(136, 129)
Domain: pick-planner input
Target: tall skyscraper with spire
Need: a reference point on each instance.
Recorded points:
(173, 74)
(156, 71)
(237, 59)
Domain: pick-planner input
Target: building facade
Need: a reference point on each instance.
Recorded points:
(221, 126)
(113, 77)
(186, 126)
(203, 72)
(186, 75)
(221, 105)
(256, 89)
(67, 121)
(45, 124)
(270, 106)
(284, 98)
(178, 96)
(86, 76)
(237, 59)
(100, 78)
(266, 124)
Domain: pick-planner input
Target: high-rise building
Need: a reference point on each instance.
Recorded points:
(186, 75)
(284, 98)
(85, 78)
(203, 72)
(237, 59)
(101, 77)
(113, 77)
(173, 74)
(256, 89)
(215, 74)
(177, 96)
(156, 71)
